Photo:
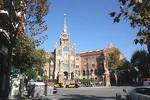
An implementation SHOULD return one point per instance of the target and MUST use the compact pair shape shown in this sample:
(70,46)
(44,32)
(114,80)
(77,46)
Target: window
(72,53)
(93,65)
(95,71)
(77,58)
(83,72)
(72,65)
(91,71)
(65,49)
(85,65)
(77,66)
(76,72)
(79,73)
(87,72)
(65,65)
(59,53)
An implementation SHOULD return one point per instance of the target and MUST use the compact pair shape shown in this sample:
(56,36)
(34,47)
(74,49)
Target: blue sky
(89,25)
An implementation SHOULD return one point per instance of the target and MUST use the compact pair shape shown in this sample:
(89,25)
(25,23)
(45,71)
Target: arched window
(87,72)
(95,71)
(72,53)
(83,72)
(65,49)
(72,75)
(66,75)
(91,71)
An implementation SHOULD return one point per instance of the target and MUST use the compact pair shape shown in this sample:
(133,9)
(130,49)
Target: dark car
(139,93)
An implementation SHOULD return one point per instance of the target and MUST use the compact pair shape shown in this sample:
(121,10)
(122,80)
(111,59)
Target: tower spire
(65,30)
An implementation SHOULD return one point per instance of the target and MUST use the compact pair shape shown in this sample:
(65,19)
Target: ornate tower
(64,37)
(65,56)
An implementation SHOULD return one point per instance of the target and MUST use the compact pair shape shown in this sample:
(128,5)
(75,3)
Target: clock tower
(64,37)
(65,54)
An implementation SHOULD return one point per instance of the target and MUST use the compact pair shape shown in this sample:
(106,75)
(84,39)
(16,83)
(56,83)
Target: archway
(66,75)
(72,75)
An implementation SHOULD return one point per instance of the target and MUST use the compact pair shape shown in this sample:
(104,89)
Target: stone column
(61,77)
(107,79)
(106,74)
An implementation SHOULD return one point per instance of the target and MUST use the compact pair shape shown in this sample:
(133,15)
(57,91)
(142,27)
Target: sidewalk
(24,98)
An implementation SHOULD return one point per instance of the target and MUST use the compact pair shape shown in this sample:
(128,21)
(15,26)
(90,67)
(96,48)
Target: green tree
(137,12)
(124,65)
(85,81)
(35,12)
(30,19)
(31,73)
(32,13)
(27,56)
(140,59)
(113,59)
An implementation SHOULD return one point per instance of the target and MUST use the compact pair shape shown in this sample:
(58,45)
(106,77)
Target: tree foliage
(124,64)
(35,22)
(137,12)
(113,59)
(31,15)
(141,60)
(27,56)
(31,73)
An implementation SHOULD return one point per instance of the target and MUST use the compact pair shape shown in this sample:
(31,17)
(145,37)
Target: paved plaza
(87,93)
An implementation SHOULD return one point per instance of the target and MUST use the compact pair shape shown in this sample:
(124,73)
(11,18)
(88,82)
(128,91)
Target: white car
(139,93)
(146,83)
(39,88)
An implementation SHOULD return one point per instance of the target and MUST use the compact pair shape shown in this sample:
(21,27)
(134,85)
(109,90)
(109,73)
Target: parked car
(36,89)
(72,86)
(58,85)
(139,93)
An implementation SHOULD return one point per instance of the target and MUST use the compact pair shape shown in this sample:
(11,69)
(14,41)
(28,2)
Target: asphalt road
(87,93)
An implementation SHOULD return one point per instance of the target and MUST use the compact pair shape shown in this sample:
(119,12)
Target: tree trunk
(5,75)
(4,85)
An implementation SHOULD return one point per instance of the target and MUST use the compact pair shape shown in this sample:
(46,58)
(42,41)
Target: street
(87,93)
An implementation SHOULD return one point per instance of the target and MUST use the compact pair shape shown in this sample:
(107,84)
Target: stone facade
(64,56)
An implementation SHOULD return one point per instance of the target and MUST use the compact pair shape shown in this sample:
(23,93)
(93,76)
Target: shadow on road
(82,97)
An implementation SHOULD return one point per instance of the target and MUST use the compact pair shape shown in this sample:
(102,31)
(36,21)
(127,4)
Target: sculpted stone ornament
(61,76)
(107,77)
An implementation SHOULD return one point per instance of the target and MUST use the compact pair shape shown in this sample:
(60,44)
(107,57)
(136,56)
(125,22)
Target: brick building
(93,64)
